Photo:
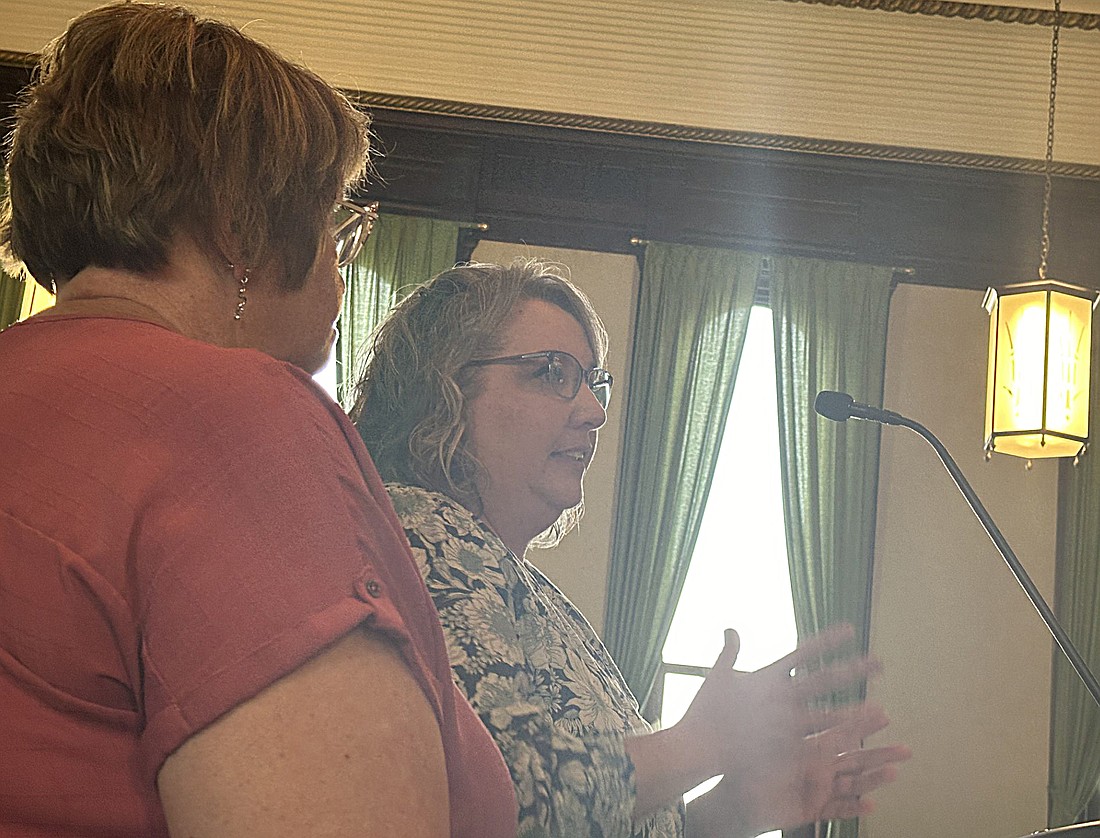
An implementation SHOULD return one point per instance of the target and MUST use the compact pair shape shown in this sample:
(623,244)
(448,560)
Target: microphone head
(834,405)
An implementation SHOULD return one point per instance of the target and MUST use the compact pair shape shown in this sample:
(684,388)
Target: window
(738,576)
(326,376)
(35,299)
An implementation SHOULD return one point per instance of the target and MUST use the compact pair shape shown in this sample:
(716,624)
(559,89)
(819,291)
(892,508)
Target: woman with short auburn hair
(144,122)
(210,624)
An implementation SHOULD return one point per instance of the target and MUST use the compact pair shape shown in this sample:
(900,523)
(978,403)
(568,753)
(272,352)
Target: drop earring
(242,297)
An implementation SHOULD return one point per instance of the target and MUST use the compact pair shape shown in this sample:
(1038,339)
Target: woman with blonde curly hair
(480,403)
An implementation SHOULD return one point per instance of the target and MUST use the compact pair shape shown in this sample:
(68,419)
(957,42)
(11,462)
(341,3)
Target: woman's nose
(587,409)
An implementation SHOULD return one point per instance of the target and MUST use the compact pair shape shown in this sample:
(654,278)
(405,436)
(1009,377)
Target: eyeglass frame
(356,228)
(597,378)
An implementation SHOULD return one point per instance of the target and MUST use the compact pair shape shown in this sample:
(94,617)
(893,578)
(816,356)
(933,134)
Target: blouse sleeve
(515,668)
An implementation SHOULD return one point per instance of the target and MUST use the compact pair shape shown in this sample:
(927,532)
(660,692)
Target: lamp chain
(1045,251)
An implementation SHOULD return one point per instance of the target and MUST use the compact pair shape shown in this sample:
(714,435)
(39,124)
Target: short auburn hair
(144,121)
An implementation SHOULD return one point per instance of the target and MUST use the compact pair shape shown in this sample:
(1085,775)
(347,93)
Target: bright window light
(738,576)
(326,376)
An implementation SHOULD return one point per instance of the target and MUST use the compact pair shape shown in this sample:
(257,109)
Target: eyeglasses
(353,227)
(563,372)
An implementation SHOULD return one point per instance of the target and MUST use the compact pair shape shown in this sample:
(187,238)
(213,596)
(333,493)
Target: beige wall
(793,69)
(579,564)
(967,658)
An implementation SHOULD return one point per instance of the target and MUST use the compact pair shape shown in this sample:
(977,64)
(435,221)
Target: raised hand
(787,762)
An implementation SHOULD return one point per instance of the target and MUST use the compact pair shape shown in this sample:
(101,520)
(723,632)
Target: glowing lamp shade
(1037,387)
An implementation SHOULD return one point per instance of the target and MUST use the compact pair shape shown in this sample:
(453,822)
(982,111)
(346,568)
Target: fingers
(834,677)
(812,679)
(862,773)
(870,760)
(843,808)
(812,648)
(728,656)
(842,728)
(856,785)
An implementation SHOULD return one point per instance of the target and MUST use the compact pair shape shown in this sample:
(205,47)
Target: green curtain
(1075,719)
(692,315)
(11,299)
(830,323)
(11,289)
(402,252)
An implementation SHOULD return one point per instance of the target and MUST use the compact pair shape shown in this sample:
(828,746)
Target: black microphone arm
(840,407)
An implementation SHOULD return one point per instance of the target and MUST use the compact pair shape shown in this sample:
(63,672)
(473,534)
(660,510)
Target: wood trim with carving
(564,187)
(969,11)
(739,139)
(19,59)
(559,183)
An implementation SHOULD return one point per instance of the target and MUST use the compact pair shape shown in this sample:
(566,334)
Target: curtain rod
(907,272)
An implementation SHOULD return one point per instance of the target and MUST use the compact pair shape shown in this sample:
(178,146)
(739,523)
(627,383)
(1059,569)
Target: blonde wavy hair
(412,393)
(144,120)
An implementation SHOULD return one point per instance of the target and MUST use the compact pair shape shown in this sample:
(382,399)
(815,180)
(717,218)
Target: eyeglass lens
(566,375)
(353,227)
(349,231)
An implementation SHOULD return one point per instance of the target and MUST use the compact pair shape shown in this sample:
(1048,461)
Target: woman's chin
(561,500)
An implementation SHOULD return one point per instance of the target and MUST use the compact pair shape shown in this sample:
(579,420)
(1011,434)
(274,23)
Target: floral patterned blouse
(536,673)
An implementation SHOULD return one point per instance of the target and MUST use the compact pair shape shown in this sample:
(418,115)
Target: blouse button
(368,587)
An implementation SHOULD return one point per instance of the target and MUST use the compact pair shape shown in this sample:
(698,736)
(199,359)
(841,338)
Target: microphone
(840,407)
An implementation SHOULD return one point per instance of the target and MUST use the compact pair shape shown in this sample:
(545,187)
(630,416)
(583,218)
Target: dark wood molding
(716,136)
(553,186)
(576,187)
(13,78)
(18,59)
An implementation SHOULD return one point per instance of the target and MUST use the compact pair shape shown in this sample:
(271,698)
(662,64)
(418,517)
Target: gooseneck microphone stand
(839,407)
